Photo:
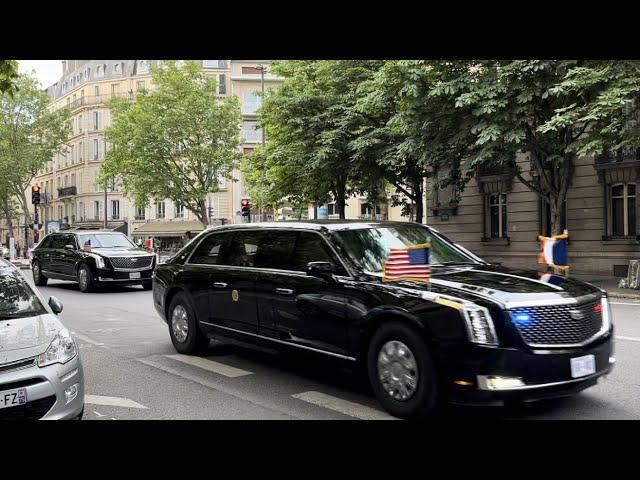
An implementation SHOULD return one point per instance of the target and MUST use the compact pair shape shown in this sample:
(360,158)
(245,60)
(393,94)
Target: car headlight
(477,319)
(60,350)
(99,260)
(606,315)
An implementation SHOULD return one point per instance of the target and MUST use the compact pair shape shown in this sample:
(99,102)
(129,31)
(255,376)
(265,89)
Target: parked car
(92,258)
(41,374)
(477,333)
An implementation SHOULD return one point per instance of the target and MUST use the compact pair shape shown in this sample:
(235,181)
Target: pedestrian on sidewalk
(17,250)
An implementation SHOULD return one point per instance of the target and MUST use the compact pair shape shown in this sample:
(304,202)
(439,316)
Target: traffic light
(245,207)
(35,195)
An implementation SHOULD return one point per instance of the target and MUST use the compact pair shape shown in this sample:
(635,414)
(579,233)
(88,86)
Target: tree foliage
(307,124)
(175,141)
(8,76)
(30,135)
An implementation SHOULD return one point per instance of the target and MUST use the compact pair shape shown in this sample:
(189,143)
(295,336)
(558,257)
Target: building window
(59,212)
(100,71)
(115,209)
(249,132)
(545,218)
(140,214)
(222,84)
(331,209)
(96,149)
(179,211)
(140,86)
(366,211)
(251,102)
(97,210)
(142,66)
(96,120)
(96,91)
(497,218)
(250,71)
(160,209)
(214,63)
(115,88)
(80,153)
(73,179)
(73,154)
(80,124)
(623,210)
(117,68)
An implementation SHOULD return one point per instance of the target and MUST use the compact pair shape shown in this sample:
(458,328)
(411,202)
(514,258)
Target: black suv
(478,333)
(92,258)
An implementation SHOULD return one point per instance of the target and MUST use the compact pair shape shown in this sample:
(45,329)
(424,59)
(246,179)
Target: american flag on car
(408,263)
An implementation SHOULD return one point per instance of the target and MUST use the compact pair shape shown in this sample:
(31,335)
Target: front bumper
(544,373)
(46,386)
(118,277)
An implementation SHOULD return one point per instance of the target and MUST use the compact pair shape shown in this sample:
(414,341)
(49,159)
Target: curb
(624,296)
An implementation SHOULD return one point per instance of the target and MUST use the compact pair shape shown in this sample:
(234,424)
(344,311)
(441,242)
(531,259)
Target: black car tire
(195,342)
(87,286)
(424,403)
(38,278)
(79,417)
(147,285)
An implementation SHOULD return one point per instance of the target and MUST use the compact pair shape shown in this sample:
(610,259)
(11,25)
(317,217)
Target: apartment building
(71,194)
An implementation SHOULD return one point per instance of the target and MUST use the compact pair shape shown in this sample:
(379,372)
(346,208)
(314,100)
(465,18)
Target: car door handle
(284,291)
(219,285)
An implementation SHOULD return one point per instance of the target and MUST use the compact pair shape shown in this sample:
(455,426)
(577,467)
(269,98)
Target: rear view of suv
(92,258)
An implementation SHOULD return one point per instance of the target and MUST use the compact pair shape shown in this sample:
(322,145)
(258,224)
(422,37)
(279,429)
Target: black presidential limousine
(92,258)
(478,334)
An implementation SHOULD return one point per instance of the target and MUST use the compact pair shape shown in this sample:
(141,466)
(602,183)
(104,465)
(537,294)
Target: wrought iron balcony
(619,156)
(67,191)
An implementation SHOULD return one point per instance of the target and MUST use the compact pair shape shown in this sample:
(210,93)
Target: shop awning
(168,228)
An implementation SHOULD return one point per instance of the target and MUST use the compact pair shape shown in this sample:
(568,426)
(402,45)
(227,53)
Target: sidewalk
(22,263)
(611,286)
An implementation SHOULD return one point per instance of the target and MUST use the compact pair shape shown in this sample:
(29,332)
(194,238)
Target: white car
(41,374)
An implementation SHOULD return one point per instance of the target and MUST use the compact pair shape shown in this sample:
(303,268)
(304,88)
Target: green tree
(306,121)
(30,135)
(403,135)
(175,141)
(511,101)
(8,76)
(608,94)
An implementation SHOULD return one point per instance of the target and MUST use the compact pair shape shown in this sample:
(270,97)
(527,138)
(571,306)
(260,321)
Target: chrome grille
(131,263)
(6,367)
(558,325)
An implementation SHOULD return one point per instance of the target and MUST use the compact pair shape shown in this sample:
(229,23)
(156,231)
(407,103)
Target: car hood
(504,286)
(22,338)
(121,252)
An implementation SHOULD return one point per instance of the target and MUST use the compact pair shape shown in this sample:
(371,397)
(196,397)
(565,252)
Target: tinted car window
(209,251)
(68,240)
(46,242)
(310,247)
(57,241)
(243,248)
(275,250)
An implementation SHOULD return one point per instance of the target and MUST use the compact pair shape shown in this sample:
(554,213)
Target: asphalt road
(133,372)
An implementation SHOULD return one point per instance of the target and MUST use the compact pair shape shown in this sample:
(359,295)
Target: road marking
(210,365)
(343,406)
(625,303)
(632,339)
(99,414)
(112,401)
(257,400)
(87,339)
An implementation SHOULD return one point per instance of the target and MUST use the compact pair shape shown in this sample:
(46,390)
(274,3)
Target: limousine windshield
(369,247)
(97,240)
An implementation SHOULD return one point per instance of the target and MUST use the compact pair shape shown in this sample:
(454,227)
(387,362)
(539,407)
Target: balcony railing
(619,156)
(97,99)
(67,191)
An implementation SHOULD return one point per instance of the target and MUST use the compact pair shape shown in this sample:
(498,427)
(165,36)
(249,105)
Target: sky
(48,72)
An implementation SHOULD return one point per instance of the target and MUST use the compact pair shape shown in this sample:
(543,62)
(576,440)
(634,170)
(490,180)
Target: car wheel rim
(397,370)
(180,323)
(83,278)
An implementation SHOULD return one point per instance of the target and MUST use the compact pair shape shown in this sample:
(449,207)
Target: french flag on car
(554,250)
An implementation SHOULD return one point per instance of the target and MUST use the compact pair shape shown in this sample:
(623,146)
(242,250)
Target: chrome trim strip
(104,279)
(18,365)
(132,269)
(281,341)
(482,382)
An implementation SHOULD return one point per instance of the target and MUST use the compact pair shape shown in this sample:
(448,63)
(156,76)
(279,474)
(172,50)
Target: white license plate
(134,275)
(13,398)
(581,366)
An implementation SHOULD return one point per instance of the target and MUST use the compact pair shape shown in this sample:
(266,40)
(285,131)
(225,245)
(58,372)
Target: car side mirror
(69,247)
(55,304)
(323,270)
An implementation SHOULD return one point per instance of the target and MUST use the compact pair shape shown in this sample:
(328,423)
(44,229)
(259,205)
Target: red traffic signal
(245,207)
(35,194)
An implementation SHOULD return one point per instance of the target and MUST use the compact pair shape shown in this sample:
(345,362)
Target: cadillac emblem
(576,314)
(235,295)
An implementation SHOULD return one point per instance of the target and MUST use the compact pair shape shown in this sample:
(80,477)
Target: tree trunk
(417,198)
(315,210)
(202,214)
(7,213)
(28,237)
(557,217)
(341,188)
